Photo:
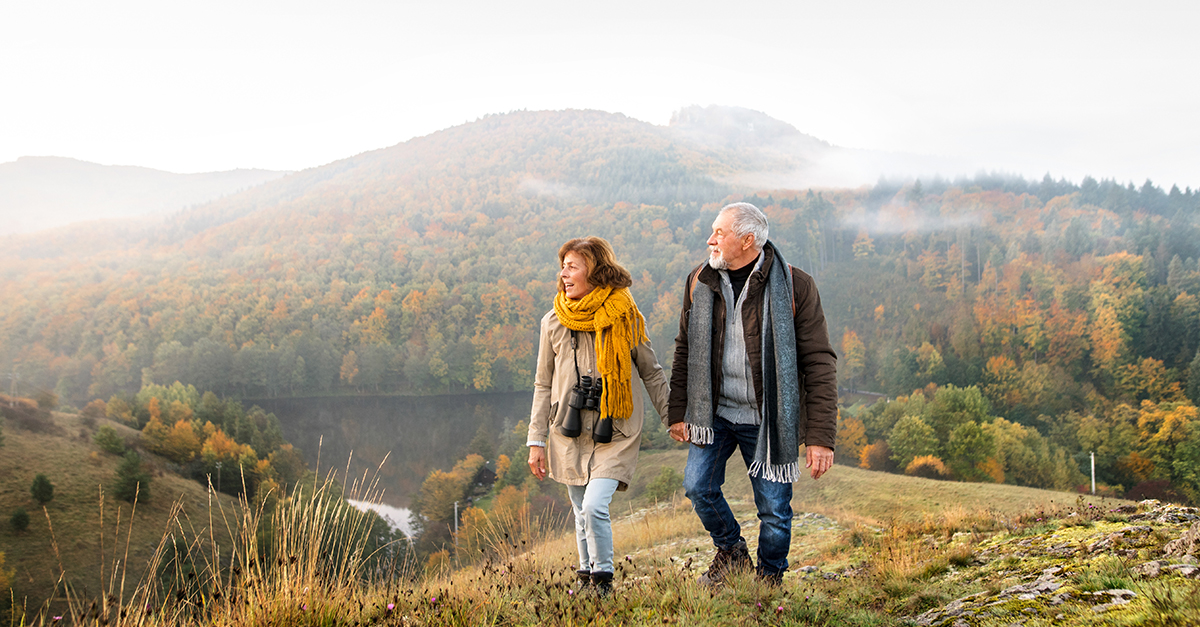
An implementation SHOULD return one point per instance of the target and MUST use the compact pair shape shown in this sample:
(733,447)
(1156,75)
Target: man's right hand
(679,432)
(537,461)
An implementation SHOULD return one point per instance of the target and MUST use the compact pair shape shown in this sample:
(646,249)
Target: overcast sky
(1073,88)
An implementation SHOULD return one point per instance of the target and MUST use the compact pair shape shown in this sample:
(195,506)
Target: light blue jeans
(593,531)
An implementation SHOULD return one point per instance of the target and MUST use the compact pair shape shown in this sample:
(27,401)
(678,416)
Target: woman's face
(574,276)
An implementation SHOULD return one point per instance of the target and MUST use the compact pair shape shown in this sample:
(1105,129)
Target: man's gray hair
(748,220)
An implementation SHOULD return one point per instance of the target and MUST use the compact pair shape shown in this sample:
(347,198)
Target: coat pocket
(554,418)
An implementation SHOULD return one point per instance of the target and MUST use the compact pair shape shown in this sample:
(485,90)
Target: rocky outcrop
(1068,557)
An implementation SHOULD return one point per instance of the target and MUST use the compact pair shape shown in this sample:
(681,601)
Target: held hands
(537,461)
(679,432)
(819,459)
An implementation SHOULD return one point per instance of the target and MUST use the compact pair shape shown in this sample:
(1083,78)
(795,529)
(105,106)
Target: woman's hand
(537,461)
(679,432)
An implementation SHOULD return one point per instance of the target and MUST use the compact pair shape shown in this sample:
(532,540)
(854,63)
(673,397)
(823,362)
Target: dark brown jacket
(816,360)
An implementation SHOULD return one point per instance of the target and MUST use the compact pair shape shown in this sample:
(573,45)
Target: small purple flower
(760,605)
(391,606)
(433,599)
(304,606)
(57,618)
(570,592)
(779,609)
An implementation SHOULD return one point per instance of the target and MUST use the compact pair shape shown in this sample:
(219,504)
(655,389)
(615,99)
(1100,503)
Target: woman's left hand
(537,461)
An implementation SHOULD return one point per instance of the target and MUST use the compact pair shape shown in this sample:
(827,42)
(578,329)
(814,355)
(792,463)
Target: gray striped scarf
(777,454)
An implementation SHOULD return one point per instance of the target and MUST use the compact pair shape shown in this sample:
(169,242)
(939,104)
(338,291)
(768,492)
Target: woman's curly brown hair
(603,269)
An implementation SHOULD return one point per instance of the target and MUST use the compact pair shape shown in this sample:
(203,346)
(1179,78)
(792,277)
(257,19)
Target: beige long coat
(575,461)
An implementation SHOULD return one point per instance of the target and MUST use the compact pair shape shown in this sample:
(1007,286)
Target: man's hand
(679,432)
(819,459)
(537,461)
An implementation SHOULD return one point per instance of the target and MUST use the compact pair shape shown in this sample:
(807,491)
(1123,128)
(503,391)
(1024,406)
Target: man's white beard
(716,261)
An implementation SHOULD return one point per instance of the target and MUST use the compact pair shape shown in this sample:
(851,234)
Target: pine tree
(133,483)
(42,490)
(20,521)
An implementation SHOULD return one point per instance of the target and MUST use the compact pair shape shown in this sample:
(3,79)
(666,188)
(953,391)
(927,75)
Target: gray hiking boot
(727,562)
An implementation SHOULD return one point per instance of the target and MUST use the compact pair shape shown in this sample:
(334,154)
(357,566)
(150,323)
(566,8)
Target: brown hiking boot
(727,562)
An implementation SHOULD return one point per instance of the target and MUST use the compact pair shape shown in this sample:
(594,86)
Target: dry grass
(91,535)
(219,565)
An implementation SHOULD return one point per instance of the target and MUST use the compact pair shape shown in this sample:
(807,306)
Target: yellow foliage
(851,437)
(181,444)
(926,466)
(503,463)
(155,433)
(993,468)
(438,563)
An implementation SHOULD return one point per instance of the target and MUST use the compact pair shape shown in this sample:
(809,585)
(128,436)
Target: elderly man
(753,370)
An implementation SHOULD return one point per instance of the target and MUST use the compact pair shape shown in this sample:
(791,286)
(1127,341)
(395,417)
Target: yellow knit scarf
(619,327)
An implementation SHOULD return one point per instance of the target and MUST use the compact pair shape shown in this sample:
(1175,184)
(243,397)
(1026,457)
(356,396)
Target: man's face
(726,250)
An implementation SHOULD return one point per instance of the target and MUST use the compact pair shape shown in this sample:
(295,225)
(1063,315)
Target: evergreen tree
(42,490)
(20,520)
(133,483)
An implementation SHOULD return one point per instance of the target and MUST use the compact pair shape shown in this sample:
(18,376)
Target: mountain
(39,193)
(785,158)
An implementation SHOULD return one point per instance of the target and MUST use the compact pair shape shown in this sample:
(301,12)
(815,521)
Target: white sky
(1090,87)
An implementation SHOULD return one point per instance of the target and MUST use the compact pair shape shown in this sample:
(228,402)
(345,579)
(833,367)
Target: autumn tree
(851,439)
(854,358)
(911,438)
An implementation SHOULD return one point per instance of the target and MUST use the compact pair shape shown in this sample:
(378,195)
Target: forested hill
(423,268)
(414,268)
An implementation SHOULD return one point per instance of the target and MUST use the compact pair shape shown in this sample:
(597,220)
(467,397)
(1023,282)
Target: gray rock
(1150,569)
(1185,544)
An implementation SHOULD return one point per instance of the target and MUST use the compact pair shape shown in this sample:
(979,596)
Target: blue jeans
(702,483)
(593,531)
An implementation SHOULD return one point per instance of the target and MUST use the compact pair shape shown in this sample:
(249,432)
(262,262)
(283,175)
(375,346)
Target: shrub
(663,486)
(25,414)
(107,439)
(926,466)
(877,456)
(42,490)
(20,520)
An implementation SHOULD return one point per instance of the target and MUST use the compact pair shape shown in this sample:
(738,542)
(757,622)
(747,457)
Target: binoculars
(586,395)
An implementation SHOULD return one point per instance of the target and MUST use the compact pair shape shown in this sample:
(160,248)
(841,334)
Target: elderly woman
(586,422)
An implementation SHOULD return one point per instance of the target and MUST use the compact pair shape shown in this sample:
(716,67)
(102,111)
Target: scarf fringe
(700,436)
(779,473)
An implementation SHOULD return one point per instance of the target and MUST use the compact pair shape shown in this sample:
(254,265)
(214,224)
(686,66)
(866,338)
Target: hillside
(38,193)
(869,549)
(85,531)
